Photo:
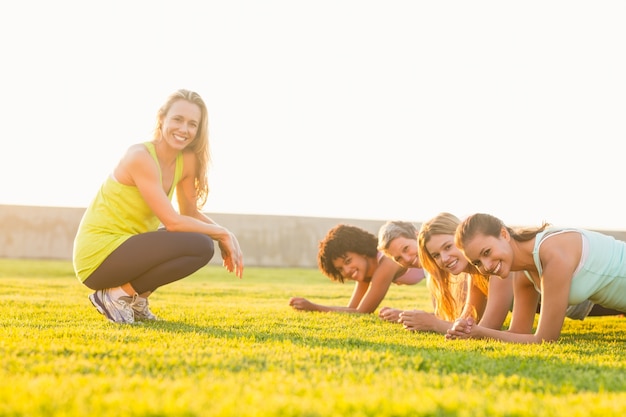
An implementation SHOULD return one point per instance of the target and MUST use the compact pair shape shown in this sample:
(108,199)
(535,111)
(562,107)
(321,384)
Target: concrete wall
(286,241)
(272,241)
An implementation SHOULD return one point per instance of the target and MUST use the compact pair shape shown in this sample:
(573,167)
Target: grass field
(230,347)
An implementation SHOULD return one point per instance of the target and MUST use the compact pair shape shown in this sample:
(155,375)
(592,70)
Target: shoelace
(138,302)
(133,300)
(140,307)
(125,307)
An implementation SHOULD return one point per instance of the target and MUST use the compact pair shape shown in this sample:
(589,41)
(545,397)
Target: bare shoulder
(189,163)
(567,241)
(564,249)
(137,150)
(390,264)
(136,154)
(136,159)
(388,268)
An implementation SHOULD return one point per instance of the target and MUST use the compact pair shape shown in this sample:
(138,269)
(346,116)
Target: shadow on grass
(547,365)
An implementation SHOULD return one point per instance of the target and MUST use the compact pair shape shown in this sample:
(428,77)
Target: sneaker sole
(99,306)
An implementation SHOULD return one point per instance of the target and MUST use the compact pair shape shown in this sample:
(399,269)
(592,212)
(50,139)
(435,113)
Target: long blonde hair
(199,145)
(448,292)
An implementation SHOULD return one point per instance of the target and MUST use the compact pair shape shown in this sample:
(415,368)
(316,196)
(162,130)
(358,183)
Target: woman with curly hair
(350,253)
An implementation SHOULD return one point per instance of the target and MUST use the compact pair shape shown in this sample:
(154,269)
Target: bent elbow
(172,225)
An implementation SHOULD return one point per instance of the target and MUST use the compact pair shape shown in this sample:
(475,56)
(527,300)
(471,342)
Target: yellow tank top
(116,213)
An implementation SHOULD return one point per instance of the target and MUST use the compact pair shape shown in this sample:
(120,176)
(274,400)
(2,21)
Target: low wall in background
(268,241)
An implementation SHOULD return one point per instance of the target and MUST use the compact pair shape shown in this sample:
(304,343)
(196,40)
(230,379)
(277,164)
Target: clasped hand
(389,314)
(461,329)
(299,303)
(415,320)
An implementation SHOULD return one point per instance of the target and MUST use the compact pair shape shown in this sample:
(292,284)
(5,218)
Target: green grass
(230,347)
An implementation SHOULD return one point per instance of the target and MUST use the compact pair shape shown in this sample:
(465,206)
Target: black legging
(150,260)
(599,310)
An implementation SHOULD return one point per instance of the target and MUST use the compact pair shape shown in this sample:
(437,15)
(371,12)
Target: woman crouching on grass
(564,266)
(118,251)
(350,253)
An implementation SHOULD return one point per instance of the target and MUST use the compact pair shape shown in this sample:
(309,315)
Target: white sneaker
(117,311)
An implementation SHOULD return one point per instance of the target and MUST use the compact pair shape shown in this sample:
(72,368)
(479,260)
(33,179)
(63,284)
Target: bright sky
(330,108)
